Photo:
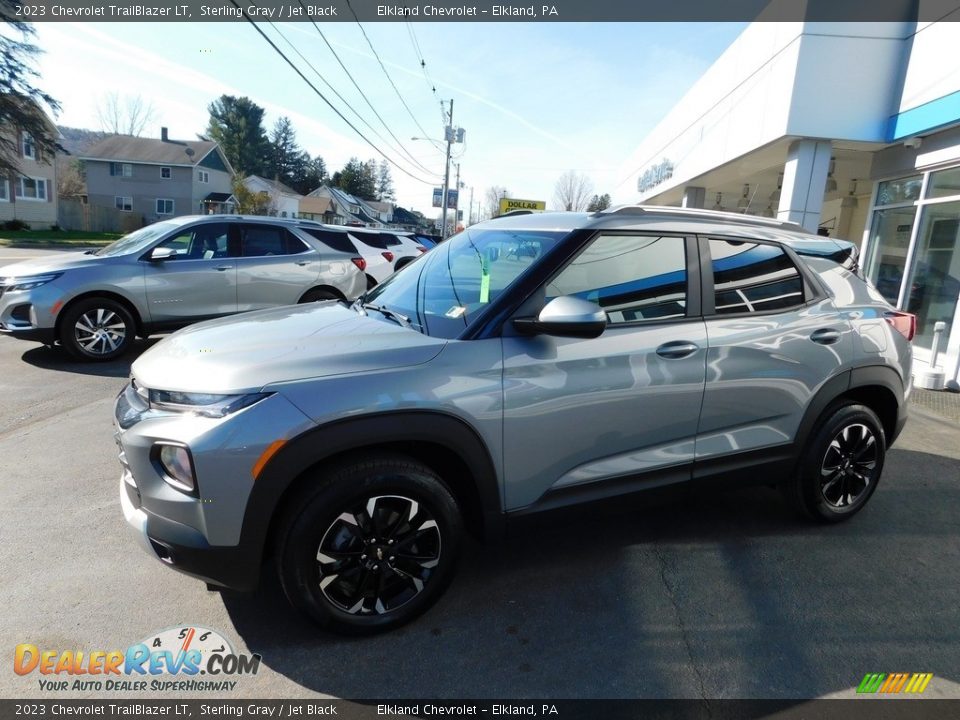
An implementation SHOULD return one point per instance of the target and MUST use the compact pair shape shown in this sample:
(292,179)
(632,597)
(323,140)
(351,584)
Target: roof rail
(739,218)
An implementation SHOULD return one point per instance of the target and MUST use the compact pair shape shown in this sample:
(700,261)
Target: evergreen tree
(237,125)
(385,189)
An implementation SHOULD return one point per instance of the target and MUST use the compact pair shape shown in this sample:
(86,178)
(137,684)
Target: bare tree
(129,115)
(491,201)
(572,191)
(71,177)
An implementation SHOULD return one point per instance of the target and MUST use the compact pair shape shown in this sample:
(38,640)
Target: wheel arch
(445,443)
(108,294)
(323,288)
(879,387)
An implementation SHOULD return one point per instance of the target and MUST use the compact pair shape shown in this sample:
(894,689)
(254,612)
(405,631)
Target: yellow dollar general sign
(511,204)
(891,683)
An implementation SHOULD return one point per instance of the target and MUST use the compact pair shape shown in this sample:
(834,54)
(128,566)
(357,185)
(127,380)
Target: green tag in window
(485,281)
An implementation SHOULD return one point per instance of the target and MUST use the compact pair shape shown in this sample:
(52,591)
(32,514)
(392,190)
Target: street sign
(511,204)
(451,198)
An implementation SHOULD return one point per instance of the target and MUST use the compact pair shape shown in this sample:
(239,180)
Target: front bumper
(200,535)
(184,549)
(31,314)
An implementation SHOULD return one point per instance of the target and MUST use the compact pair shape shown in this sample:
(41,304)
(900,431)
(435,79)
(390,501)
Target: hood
(49,263)
(246,352)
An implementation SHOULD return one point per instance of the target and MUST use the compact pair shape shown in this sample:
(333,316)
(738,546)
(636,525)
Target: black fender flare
(869,376)
(305,451)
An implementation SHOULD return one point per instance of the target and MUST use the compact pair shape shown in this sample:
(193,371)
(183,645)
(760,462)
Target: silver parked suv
(168,275)
(530,362)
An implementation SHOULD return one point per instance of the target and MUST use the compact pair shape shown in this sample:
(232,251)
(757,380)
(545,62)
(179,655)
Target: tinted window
(750,277)
(632,277)
(374,240)
(336,240)
(265,240)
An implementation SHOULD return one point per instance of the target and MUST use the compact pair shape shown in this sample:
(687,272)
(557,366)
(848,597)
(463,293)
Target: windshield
(137,240)
(458,278)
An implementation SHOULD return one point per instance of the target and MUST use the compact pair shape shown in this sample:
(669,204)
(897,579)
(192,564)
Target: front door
(618,412)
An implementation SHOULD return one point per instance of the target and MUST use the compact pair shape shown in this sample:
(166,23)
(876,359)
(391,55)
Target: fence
(73,214)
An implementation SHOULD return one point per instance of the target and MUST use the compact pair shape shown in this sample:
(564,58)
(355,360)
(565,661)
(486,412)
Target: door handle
(301,263)
(221,268)
(677,349)
(825,336)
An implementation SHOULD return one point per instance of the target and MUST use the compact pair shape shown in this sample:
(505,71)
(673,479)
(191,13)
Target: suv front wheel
(841,465)
(96,328)
(371,546)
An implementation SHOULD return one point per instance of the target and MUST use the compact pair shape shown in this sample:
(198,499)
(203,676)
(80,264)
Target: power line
(419,54)
(324,98)
(350,107)
(390,79)
(358,88)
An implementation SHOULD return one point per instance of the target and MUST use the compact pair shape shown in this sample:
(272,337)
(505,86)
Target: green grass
(54,238)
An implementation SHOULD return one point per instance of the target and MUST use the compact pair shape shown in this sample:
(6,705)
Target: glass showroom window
(890,232)
(913,256)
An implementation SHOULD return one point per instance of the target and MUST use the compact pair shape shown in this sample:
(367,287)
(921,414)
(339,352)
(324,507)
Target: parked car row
(187,269)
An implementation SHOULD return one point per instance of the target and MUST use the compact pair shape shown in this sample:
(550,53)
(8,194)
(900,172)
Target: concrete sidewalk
(939,402)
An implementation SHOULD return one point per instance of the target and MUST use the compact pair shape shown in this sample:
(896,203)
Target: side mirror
(566,316)
(158,254)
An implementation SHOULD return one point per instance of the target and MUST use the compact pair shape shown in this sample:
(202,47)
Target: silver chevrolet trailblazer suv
(529,363)
(168,275)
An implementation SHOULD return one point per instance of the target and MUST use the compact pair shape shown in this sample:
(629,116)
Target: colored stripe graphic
(893,683)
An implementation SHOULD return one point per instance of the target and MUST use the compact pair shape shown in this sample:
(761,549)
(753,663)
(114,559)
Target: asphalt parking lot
(725,596)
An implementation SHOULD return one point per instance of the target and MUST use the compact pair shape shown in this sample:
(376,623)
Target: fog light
(177,466)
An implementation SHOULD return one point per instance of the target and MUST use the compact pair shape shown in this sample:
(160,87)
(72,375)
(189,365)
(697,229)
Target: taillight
(421,248)
(903,323)
(388,255)
(360,263)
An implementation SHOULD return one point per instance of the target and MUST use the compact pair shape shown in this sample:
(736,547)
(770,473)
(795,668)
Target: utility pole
(456,205)
(470,214)
(451,135)
(448,135)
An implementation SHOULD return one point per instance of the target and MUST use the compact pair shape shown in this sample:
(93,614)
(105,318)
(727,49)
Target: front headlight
(28,282)
(205,404)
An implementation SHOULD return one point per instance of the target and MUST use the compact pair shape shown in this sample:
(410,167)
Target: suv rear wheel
(97,329)
(371,546)
(841,465)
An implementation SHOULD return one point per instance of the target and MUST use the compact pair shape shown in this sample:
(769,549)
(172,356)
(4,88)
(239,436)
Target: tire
(318,295)
(97,329)
(337,550)
(841,465)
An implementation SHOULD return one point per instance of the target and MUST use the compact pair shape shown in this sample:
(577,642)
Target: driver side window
(632,277)
(201,242)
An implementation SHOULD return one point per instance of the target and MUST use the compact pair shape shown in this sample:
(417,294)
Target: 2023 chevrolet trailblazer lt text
(168,275)
(528,363)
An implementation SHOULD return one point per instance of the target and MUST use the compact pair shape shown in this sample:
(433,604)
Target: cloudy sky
(534,99)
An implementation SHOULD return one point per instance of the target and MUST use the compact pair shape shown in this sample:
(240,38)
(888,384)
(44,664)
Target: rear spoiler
(842,252)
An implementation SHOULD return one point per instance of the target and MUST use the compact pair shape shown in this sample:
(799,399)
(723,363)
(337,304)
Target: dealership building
(849,129)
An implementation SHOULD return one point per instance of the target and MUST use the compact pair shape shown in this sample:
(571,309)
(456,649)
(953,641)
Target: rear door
(199,281)
(618,412)
(774,340)
(274,267)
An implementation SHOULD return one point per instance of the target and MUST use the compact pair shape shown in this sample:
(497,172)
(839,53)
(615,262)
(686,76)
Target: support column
(694,197)
(804,181)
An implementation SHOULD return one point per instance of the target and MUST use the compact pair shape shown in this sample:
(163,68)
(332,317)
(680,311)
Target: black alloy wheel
(369,544)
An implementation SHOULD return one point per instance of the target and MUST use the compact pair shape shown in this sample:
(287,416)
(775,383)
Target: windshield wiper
(399,318)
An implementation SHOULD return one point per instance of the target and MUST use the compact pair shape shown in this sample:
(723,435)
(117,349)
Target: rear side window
(632,277)
(336,240)
(266,240)
(753,278)
(374,240)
